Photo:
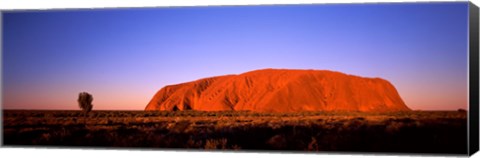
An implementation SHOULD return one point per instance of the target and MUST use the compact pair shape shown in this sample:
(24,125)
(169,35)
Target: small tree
(85,102)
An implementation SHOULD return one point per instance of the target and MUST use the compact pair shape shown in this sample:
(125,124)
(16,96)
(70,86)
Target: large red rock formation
(281,90)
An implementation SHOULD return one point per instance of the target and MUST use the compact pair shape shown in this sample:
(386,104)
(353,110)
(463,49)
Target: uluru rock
(281,90)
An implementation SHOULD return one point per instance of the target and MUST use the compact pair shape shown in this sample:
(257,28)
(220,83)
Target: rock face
(281,90)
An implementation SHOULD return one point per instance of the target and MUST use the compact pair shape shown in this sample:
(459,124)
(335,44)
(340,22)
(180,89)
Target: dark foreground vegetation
(412,132)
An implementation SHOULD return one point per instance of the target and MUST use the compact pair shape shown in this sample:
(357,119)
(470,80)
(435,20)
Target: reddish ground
(398,132)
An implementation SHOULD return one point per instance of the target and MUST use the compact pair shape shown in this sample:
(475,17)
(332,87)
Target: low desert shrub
(216,144)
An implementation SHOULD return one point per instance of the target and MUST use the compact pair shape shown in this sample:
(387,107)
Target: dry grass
(420,132)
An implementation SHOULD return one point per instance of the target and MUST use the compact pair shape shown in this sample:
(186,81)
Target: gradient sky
(124,56)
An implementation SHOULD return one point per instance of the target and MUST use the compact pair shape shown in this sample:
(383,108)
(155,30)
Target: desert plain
(399,132)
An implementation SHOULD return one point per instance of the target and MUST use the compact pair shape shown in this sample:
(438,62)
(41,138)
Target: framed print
(386,78)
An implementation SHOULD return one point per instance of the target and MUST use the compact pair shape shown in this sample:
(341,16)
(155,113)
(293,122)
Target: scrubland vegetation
(413,132)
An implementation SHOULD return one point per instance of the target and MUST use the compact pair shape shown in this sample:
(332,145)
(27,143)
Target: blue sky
(123,56)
